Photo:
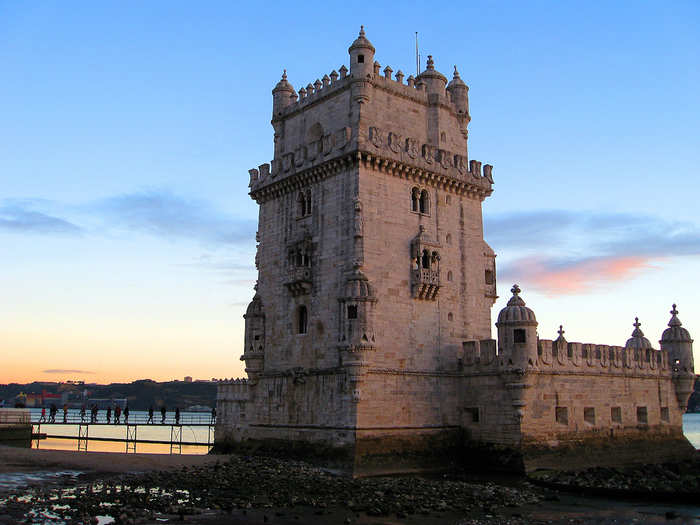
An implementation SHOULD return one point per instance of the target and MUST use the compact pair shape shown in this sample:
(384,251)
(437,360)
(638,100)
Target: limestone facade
(370,328)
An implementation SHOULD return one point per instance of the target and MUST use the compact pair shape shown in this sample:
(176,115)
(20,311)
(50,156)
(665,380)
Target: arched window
(450,317)
(302,319)
(415,197)
(301,205)
(443,137)
(308,202)
(424,202)
(425,260)
(449,275)
(448,238)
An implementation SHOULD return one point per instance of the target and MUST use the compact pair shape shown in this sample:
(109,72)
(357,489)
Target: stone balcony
(425,283)
(298,280)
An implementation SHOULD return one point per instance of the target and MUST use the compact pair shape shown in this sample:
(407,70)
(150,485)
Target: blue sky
(127,129)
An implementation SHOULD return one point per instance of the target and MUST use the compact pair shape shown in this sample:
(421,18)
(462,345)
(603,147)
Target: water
(691,429)
(190,434)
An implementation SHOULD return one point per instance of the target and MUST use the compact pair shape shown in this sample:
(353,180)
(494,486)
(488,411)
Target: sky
(127,129)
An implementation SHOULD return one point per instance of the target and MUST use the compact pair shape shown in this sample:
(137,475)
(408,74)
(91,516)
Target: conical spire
(675,331)
(637,340)
(361,42)
(516,300)
(283,85)
(674,318)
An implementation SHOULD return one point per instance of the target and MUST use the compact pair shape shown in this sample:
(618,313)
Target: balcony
(425,283)
(298,280)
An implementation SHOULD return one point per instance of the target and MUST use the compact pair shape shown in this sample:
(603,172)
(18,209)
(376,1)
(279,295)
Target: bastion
(368,340)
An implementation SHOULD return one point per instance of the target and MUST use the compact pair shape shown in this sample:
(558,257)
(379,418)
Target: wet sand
(14,459)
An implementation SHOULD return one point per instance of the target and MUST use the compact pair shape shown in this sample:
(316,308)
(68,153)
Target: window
(302,320)
(360,59)
(450,317)
(664,414)
(584,353)
(352,311)
(425,260)
(589,415)
(488,276)
(449,275)
(448,199)
(642,415)
(474,413)
(448,238)
(415,197)
(561,414)
(443,137)
(304,203)
(519,335)
(424,202)
(616,414)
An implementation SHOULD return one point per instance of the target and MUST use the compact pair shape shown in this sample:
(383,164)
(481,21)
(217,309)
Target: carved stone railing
(298,280)
(425,283)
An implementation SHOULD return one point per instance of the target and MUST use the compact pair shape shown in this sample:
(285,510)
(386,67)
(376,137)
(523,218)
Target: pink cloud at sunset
(555,277)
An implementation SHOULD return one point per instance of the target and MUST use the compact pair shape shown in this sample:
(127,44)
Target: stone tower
(372,268)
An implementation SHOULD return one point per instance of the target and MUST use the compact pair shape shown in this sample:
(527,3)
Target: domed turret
(675,331)
(254,339)
(637,341)
(517,332)
(677,341)
(282,95)
(361,56)
(460,93)
(434,81)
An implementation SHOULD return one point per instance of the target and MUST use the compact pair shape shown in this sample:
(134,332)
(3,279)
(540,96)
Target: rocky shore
(259,490)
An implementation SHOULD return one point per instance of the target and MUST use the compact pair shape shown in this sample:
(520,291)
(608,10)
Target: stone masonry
(369,335)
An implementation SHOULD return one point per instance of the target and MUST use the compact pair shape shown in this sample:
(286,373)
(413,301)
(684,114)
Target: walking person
(177,415)
(93,414)
(126,415)
(150,415)
(82,413)
(117,414)
(42,419)
(162,415)
(109,414)
(52,413)
(213,415)
(65,413)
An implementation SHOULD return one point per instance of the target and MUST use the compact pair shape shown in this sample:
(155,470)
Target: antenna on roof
(417,57)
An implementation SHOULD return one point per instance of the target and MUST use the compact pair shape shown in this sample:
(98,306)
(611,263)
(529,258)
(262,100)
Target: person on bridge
(126,414)
(52,413)
(42,419)
(162,415)
(213,415)
(109,414)
(177,415)
(150,415)
(96,411)
(82,413)
(65,413)
(117,414)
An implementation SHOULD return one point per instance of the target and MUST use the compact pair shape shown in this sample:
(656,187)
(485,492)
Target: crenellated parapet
(232,390)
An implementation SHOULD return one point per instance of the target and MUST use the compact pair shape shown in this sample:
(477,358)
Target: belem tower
(368,340)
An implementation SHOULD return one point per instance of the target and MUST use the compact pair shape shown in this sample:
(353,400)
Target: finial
(284,74)
(637,324)
(456,75)
(362,30)
(431,64)
(515,289)
(561,331)
(674,311)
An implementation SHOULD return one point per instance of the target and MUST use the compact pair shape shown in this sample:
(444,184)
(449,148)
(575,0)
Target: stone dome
(255,307)
(361,42)
(456,81)
(638,341)
(283,84)
(516,311)
(432,73)
(357,287)
(675,332)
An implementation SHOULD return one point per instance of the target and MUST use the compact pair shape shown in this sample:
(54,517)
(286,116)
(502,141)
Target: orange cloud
(556,277)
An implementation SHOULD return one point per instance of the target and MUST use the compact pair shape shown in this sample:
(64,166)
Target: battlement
(232,390)
(562,356)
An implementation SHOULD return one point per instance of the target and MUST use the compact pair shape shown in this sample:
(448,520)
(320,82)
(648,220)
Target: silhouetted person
(97,412)
(177,416)
(162,414)
(109,415)
(150,415)
(126,414)
(213,415)
(93,414)
(52,413)
(42,419)
(65,413)
(82,414)
(117,414)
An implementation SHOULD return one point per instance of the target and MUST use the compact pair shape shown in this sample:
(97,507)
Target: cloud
(561,276)
(566,252)
(164,214)
(17,217)
(66,371)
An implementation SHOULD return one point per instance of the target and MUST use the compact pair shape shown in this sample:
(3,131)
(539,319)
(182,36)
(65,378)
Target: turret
(517,332)
(433,80)
(282,96)
(254,340)
(459,93)
(361,56)
(677,341)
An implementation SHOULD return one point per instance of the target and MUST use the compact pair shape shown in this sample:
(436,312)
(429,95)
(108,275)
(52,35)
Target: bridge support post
(176,438)
(83,430)
(131,438)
